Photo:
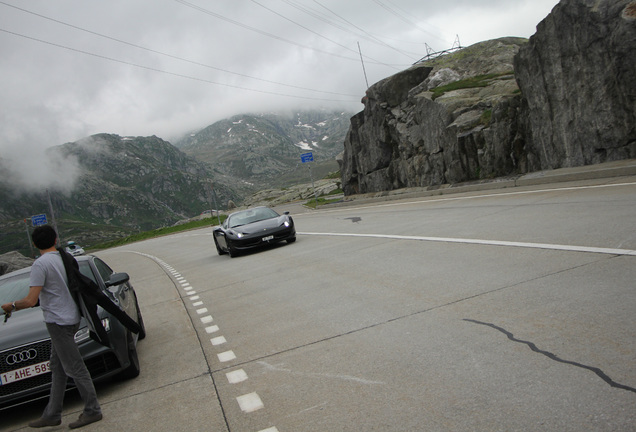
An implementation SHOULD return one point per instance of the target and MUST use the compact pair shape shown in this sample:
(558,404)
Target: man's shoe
(84,420)
(42,422)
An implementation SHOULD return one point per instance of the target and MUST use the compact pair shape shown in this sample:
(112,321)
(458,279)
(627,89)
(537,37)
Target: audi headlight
(84,333)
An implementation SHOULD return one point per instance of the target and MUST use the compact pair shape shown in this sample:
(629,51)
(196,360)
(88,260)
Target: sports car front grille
(43,353)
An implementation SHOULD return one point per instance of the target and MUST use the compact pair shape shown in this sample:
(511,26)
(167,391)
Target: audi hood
(24,327)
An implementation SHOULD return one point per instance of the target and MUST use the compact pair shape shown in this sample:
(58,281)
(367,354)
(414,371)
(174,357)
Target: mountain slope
(264,150)
(125,185)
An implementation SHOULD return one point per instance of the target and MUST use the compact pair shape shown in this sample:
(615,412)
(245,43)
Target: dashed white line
(250,402)
(236,376)
(212,329)
(226,356)
(220,340)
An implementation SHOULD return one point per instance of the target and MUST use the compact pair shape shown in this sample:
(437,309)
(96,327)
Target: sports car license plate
(25,372)
(268,238)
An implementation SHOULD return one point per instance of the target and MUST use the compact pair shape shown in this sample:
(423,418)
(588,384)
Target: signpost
(305,158)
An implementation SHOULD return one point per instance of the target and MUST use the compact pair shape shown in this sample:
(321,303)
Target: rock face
(447,120)
(578,77)
(12,261)
(503,107)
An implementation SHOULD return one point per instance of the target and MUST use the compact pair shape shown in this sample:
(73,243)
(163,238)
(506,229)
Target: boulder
(12,261)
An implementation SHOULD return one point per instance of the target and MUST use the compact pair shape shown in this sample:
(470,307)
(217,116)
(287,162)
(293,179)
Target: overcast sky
(166,67)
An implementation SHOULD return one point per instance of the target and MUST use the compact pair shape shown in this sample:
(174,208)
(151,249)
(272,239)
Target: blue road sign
(307,157)
(38,220)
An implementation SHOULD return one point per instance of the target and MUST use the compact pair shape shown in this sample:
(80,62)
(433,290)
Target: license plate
(268,238)
(25,372)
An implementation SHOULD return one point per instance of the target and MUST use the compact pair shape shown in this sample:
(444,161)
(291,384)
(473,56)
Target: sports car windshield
(251,216)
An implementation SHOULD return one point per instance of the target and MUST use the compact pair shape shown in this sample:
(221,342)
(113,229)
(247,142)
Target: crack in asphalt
(602,375)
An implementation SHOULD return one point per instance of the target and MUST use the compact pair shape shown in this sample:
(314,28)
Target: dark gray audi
(25,347)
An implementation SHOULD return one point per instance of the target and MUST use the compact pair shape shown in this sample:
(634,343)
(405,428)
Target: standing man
(49,284)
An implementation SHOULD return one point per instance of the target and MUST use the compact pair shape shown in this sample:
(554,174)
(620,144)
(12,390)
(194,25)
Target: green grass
(207,222)
(486,117)
(472,82)
(322,200)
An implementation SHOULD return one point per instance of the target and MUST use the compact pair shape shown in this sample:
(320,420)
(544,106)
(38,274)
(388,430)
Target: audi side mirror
(117,279)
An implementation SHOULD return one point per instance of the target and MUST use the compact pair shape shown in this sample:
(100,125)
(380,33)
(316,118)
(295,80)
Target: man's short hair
(44,237)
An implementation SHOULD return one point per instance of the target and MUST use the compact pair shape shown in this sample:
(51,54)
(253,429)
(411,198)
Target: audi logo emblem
(21,356)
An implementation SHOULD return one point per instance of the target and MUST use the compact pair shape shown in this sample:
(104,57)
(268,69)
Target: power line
(403,17)
(367,36)
(169,55)
(302,9)
(264,33)
(167,72)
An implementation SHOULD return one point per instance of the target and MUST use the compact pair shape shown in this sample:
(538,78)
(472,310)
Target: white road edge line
(486,242)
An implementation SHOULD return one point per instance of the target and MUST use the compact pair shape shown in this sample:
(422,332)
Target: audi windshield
(14,287)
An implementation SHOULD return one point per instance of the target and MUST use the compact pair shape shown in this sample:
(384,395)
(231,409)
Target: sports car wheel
(218,248)
(231,251)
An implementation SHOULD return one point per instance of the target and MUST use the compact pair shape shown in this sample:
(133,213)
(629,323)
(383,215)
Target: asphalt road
(506,310)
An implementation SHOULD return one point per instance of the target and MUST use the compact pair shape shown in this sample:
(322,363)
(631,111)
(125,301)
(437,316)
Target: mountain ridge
(264,149)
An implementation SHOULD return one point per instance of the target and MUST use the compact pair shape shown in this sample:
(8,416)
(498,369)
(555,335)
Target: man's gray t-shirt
(55,299)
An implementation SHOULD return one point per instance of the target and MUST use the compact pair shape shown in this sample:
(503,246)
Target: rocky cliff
(503,107)
(578,78)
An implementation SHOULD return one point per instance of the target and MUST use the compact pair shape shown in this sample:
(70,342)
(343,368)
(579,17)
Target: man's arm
(29,301)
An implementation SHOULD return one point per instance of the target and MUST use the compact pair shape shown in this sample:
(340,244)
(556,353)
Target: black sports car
(25,346)
(253,228)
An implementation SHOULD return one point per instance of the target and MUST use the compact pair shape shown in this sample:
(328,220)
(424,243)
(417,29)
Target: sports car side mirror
(286,213)
(117,279)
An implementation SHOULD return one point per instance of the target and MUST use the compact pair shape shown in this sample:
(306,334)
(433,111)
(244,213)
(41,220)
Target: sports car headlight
(84,333)
(239,234)
(287,224)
